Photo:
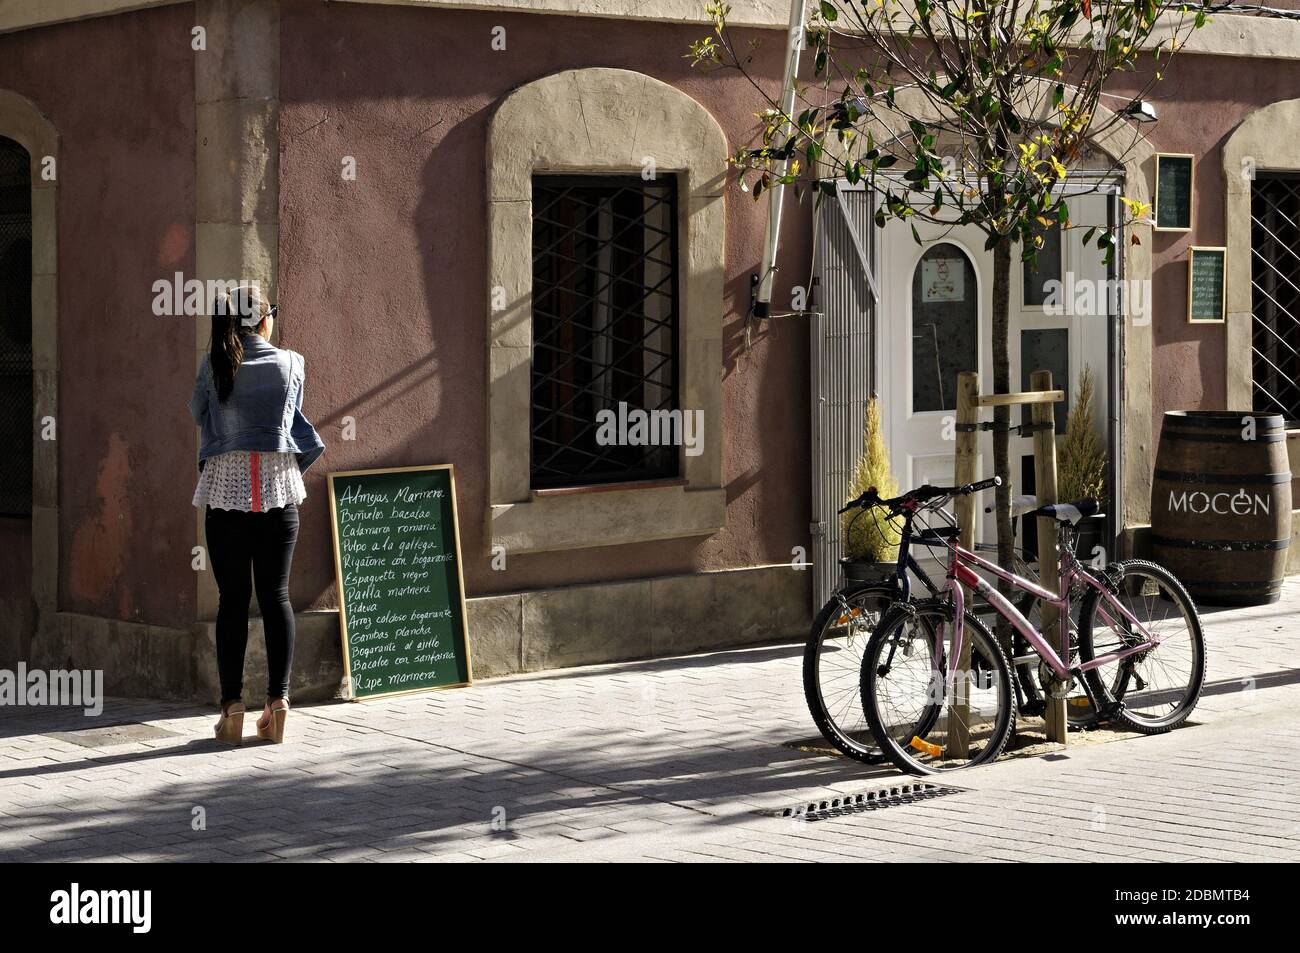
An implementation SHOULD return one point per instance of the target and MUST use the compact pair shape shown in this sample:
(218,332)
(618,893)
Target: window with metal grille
(605,319)
(15,330)
(1275,292)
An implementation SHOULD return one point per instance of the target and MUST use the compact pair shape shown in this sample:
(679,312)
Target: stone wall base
(518,632)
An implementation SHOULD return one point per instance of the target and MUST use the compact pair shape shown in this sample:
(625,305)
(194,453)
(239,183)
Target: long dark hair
(226,350)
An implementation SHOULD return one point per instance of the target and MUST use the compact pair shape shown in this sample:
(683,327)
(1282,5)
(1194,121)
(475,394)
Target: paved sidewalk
(666,760)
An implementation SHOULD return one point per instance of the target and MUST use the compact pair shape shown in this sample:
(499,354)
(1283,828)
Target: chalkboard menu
(1205,284)
(401,593)
(1174,178)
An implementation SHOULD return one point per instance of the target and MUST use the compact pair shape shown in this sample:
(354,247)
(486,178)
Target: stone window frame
(1256,139)
(587,121)
(24,123)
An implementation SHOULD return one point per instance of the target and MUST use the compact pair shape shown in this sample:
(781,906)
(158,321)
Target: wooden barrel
(1221,505)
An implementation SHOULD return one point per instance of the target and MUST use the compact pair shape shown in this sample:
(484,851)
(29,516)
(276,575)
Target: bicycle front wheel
(905,693)
(832,663)
(1154,690)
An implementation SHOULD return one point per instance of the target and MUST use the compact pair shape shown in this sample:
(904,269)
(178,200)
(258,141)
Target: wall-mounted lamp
(1139,110)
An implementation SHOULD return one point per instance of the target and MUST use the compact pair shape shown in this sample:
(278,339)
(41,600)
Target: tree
(985,105)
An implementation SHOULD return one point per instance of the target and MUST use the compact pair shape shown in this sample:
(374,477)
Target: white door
(935,322)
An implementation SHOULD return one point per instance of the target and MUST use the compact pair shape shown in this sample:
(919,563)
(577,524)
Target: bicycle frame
(961,573)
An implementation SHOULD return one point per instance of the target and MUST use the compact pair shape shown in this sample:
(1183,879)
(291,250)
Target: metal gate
(843,355)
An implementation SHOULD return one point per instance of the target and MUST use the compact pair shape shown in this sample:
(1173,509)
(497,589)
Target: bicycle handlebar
(922,494)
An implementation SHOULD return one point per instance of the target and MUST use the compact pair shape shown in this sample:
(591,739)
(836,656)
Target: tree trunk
(1002,422)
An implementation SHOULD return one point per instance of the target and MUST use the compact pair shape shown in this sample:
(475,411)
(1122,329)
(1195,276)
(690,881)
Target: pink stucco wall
(383,287)
(382,280)
(1200,101)
(120,92)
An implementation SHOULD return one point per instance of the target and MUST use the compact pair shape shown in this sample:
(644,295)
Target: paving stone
(665,760)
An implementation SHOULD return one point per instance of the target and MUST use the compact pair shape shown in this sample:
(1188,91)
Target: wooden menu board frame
(1190,159)
(1223,283)
(338,577)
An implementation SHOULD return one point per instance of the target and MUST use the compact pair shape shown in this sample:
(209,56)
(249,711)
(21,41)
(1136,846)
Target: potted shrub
(1081,465)
(870,541)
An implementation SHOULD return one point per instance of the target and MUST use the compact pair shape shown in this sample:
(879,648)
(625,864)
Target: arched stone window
(603,122)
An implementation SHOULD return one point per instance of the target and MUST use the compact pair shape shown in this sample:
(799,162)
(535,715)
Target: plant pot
(866,571)
(1090,533)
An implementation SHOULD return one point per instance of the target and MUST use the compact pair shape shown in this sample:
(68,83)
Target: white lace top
(252,482)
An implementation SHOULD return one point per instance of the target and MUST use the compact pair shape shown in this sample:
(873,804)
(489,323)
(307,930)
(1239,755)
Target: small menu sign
(1174,177)
(1205,285)
(401,591)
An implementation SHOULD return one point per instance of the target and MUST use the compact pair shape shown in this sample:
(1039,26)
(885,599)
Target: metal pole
(767,271)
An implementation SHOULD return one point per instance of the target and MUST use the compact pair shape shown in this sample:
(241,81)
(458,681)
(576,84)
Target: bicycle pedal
(926,747)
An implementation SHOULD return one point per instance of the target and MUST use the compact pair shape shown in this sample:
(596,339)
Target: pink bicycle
(1135,645)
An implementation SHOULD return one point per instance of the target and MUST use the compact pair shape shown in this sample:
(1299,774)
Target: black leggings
(264,542)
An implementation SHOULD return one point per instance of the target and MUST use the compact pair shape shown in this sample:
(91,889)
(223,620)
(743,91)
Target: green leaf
(915,237)
(1058,94)
(829,13)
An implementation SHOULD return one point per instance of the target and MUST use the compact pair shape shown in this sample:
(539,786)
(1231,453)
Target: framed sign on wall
(1175,182)
(1207,268)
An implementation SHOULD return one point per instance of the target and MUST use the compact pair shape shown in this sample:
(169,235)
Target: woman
(254,446)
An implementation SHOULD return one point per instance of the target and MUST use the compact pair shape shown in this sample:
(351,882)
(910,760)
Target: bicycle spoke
(1157,686)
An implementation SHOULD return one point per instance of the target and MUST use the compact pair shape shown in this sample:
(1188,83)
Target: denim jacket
(264,409)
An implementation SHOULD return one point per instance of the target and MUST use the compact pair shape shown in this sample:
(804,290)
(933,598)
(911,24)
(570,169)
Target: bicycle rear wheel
(904,690)
(1152,691)
(832,666)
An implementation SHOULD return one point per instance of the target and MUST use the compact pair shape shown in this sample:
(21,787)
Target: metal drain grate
(106,736)
(877,800)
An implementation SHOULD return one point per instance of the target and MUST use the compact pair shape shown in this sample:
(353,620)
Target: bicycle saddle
(1067,512)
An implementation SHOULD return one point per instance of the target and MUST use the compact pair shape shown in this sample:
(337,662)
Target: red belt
(255,473)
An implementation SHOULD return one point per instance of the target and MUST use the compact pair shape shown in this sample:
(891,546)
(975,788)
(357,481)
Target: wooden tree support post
(969,403)
(968,413)
(1045,490)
